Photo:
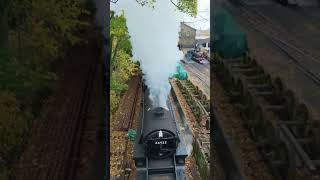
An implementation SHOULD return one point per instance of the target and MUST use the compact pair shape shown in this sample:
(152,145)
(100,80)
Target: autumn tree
(122,66)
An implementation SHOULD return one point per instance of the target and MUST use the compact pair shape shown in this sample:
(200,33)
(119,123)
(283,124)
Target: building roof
(183,23)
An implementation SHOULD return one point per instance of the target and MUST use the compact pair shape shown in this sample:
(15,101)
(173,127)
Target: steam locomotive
(158,151)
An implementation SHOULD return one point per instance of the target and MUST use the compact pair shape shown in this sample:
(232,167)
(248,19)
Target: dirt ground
(121,148)
(251,161)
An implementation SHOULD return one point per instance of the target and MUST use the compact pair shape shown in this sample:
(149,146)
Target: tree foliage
(12,125)
(186,6)
(43,26)
(33,34)
(122,66)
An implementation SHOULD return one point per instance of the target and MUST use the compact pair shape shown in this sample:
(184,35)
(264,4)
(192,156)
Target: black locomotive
(158,152)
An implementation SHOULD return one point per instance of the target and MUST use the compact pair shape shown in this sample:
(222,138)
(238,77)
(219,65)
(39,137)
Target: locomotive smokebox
(158,111)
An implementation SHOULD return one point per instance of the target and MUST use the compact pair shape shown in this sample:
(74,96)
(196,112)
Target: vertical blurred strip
(100,165)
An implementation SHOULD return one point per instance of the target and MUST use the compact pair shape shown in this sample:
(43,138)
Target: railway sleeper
(316,163)
(240,106)
(263,142)
(243,64)
(307,139)
(258,86)
(281,159)
(240,66)
(298,148)
(277,90)
(262,93)
(304,140)
(234,94)
(240,83)
(246,71)
(275,108)
(294,123)
(277,163)
(230,61)
(254,77)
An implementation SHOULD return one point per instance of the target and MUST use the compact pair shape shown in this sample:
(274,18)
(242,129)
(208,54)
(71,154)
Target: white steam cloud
(154,37)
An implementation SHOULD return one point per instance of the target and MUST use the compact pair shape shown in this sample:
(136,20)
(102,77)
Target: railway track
(195,98)
(288,139)
(200,132)
(237,151)
(73,154)
(304,59)
(200,107)
(185,133)
(199,75)
(126,163)
(125,123)
(72,132)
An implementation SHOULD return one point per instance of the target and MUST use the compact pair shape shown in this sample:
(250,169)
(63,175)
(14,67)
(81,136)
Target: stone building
(187,36)
(203,39)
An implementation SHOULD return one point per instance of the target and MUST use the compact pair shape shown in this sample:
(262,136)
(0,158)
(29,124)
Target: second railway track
(288,138)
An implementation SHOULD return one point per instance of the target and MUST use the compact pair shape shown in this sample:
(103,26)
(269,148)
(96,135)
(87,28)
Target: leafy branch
(185,6)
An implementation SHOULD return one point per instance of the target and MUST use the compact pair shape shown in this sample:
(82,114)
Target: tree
(12,125)
(185,6)
(44,26)
(122,66)
(33,34)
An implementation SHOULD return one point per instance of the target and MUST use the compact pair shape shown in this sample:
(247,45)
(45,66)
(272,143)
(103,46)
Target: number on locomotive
(161,142)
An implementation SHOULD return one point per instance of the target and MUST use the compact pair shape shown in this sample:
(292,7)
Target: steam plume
(154,37)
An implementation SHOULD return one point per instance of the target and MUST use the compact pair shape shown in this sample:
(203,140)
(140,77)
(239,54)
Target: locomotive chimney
(158,111)
(160,134)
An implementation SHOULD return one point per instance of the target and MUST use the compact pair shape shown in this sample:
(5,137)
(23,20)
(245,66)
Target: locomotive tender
(158,152)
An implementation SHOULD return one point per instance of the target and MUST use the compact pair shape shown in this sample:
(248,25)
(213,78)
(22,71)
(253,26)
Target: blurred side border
(100,164)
